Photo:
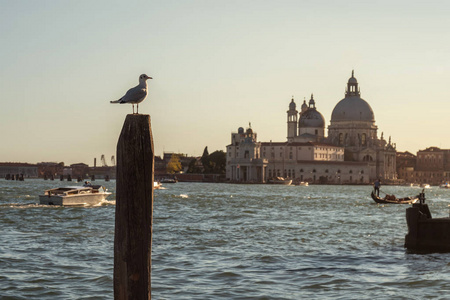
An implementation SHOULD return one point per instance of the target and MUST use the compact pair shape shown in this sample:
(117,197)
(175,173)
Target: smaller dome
(241,130)
(311,118)
(304,105)
(249,131)
(352,80)
(292,105)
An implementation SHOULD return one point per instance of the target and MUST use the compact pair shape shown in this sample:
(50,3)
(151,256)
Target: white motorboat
(280,180)
(74,195)
(168,180)
(425,185)
(303,183)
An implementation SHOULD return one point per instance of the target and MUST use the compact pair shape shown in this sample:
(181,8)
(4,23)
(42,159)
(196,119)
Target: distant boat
(303,183)
(168,180)
(444,186)
(74,195)
(280,180)
(394,200)
(426,185)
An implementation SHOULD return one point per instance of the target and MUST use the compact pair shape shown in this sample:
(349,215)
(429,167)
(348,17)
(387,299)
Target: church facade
(352,153)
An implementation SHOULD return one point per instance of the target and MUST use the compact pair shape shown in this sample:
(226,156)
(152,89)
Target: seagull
(137,94)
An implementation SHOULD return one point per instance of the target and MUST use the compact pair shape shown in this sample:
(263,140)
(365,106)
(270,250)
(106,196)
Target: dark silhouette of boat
(394,200)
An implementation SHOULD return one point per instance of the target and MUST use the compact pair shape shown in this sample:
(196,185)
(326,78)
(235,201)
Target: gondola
(394,200)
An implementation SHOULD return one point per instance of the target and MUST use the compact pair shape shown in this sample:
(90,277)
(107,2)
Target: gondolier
(376,187)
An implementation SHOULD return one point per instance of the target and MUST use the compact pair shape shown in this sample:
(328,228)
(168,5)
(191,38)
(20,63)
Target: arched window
(341,139)
(363,139)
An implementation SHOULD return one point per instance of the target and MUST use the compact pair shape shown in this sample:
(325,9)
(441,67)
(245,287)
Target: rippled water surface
(224,241)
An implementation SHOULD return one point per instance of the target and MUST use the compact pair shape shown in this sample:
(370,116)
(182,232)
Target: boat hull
(397,201)
(73,200)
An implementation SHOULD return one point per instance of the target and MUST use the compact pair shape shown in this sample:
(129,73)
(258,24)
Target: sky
(216,66)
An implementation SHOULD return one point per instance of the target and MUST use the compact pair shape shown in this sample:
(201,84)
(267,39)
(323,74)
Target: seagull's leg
(133,107)
(137,108)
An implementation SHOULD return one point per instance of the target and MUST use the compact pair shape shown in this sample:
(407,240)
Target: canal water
(224,241)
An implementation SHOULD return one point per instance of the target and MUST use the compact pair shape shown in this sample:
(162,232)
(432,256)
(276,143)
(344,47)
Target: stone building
(352,126)
(352,152)
(25,169)
(430,166)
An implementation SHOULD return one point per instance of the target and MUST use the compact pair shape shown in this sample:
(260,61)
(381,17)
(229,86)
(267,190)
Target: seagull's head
(144,77)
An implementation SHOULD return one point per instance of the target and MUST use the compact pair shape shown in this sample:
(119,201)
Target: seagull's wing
(134,95)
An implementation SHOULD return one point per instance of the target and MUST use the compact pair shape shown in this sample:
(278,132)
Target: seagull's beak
(148,77)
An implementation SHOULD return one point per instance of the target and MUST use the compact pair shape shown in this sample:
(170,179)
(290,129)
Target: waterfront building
(430,166)
(25,169)
(352,153)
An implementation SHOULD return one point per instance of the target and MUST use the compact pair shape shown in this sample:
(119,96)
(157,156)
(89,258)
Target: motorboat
(168,180)
(156,185)
(445,185)
(280,180)
(425,185)
(74,195)
(303,183)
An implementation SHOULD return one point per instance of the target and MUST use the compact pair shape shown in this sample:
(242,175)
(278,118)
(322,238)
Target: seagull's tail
(117,101)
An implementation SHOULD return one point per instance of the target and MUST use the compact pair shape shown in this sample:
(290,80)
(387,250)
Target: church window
(290,155)
(363,139)
(247,154)
(341,139)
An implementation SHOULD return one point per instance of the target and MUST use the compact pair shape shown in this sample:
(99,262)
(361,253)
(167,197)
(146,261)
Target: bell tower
(292,118)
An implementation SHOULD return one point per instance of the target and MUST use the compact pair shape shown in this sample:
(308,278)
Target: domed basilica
(352,152)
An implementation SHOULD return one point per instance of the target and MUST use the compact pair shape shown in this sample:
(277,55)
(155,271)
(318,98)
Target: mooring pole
(134,210)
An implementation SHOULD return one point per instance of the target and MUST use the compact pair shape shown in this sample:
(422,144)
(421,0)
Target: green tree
(206,162)
(218,161)
(174,165)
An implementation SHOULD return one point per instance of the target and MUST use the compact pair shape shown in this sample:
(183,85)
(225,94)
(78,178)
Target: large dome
(311,118)
(352,108)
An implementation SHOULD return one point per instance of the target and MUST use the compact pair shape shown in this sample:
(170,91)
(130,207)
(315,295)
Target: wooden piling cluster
(134,209)
(424,232)
(19,177)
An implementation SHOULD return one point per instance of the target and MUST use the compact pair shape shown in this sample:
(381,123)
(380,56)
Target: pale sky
(216,66)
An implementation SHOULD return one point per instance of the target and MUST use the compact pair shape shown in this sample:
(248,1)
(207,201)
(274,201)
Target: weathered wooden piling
(61,177)
(426,233)
(134,209)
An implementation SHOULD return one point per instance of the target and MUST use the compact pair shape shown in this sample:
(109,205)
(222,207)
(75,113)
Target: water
(223,241)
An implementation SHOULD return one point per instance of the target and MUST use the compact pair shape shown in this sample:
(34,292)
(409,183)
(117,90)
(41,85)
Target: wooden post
(134,210)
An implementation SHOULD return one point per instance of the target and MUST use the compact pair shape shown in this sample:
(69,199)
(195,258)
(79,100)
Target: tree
(218,161)
(206,162)
(174,165)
